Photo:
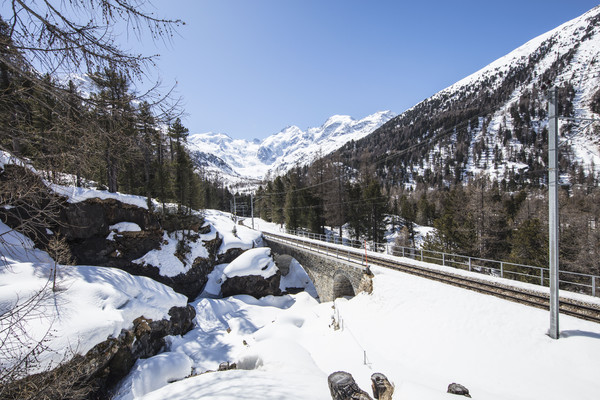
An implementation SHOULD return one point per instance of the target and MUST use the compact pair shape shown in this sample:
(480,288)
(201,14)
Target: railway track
(578,309)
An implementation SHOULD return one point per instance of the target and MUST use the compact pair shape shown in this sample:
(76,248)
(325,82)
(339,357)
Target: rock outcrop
(366,282)
(92,375)
(108,362)
(253,285)
(283,262)
(85,226)
(86,230)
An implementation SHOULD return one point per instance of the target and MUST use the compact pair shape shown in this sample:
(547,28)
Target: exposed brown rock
(382,388)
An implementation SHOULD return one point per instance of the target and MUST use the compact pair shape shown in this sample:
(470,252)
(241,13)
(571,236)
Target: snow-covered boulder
(254,273)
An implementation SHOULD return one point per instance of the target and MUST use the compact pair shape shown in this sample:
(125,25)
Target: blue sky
(249,68)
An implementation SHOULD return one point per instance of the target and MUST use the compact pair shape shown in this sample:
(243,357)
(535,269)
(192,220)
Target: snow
(7,158)
(151,374)
(252,262)
(239,160)
(91,303)
(298,278)
(234,235)
(422,334)
(125,227)
(122,227)
(78,194)
(165,258)
(221,224)
(249,263)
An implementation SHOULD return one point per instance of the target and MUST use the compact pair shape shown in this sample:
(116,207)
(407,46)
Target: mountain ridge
(494,121)
(238,160)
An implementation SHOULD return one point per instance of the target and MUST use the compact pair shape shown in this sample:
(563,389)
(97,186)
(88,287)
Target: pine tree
(408,214)
(375,208)
(355,209)
(115,112)
(148,140)
(335,200)
(183,163)
(529,244)
(292,211)
(278,201)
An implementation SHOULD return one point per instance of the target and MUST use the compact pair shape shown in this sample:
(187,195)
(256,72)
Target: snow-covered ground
(422,334)
(89,305)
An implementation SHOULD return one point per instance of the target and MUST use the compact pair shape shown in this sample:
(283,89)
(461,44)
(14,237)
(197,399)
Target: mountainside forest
(98,131)
(472,162)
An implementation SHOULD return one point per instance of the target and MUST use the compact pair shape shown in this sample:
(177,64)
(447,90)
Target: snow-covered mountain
(494,122)
(237,159)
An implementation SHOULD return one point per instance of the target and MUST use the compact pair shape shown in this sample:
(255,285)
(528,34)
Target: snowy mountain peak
(212,137)
(239,160)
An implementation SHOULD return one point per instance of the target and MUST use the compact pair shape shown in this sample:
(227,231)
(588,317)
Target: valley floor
(422,334)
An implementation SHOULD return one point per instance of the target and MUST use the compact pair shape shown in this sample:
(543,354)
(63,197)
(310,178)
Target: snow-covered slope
(494,121)
(90,303)
(242,159)
(423,335)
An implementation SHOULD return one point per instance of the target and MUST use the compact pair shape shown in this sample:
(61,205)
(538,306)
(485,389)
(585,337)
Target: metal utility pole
(553,223)
(234,211)
(252,208)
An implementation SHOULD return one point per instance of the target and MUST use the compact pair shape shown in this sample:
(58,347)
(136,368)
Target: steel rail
(578,309)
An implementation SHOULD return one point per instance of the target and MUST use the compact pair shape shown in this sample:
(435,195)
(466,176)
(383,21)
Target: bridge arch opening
(342,286)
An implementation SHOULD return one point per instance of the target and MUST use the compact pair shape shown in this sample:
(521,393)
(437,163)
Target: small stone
(456,388)
(226,366)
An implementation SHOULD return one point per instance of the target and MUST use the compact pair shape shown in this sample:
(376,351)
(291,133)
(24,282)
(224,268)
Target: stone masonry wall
(327,273)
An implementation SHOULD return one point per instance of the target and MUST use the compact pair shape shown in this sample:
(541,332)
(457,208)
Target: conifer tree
(408,214)
(335,201)
(148,140)
(183,166)
(115,112)
(355,209)
(292,208)
(278,201)
(375,208)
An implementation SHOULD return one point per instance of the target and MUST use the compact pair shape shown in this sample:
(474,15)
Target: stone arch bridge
(332,276)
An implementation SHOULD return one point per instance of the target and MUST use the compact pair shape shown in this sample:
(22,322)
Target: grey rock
(343,387)
(253,285)
(226,366)
(456,388)
(283,262)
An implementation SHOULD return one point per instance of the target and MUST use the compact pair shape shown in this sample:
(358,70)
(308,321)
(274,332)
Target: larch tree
(56,38)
